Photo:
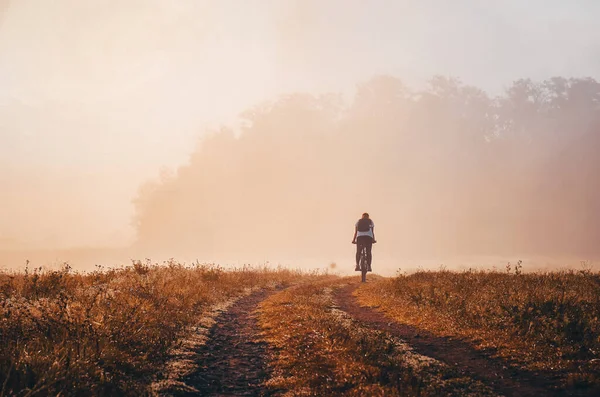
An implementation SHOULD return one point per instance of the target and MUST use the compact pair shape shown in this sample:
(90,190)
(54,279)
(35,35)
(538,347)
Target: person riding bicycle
(364,236)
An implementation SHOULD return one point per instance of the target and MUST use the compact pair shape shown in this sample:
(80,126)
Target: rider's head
(365,215)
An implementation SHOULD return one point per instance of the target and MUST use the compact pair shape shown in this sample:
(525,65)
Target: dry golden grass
(108,332)
(320,351)
(540,322)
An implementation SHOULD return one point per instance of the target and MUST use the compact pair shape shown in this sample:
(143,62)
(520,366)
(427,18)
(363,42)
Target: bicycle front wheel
(363,267)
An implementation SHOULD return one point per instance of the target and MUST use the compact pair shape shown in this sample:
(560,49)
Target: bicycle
(363,264)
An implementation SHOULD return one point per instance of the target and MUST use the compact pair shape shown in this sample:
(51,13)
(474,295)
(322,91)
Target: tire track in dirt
(232,362)
(453,352)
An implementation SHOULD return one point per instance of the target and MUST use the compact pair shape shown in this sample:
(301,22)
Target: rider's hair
(365,215)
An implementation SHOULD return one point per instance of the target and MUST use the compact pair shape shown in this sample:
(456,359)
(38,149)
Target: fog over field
(260,130)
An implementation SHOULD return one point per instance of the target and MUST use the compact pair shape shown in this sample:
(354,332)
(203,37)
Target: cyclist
(364,236)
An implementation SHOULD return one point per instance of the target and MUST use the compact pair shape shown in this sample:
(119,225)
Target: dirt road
(233,361)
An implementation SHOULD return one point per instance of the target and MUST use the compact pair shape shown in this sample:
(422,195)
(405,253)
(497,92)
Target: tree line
(447,169)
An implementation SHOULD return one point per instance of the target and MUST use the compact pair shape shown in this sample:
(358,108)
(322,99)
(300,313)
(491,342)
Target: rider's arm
(373,231)
(355,231)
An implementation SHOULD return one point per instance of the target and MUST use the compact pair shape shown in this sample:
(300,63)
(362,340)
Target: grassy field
(542,322)
(111,331)
(108,332)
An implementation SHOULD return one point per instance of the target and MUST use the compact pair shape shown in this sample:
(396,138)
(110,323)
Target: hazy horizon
(98,97)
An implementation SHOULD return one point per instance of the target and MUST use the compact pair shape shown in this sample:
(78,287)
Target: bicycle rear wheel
(363,265)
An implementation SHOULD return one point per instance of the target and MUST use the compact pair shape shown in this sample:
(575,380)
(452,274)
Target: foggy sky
(97,96)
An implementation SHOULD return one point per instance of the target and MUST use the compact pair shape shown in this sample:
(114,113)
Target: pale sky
(97,95)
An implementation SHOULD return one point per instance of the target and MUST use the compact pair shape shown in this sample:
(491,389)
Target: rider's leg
(358,248)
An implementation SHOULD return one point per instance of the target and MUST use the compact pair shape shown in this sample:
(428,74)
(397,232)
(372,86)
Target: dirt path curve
(232,362)
(453,352)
